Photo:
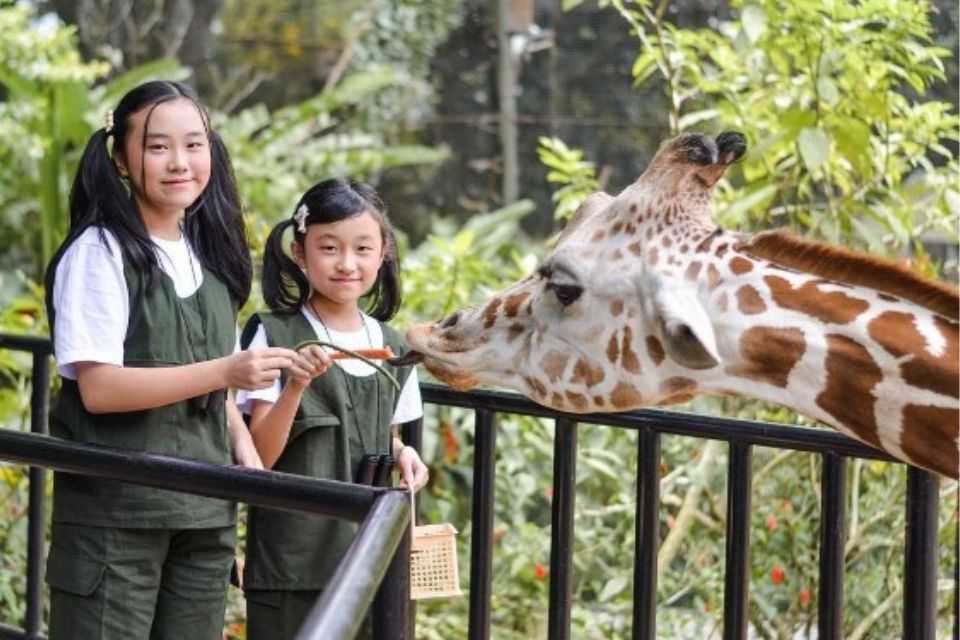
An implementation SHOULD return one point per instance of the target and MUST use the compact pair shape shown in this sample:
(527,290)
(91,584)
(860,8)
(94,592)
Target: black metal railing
(921,549)
(921,553)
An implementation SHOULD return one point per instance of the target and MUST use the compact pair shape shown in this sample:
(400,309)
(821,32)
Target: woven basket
(433,559)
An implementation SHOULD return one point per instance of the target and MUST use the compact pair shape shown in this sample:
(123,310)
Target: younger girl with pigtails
(325,417)
(142,298)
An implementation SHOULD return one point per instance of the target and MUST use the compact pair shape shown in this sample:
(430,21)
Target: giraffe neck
(879,368)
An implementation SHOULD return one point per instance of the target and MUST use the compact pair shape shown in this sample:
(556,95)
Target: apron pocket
(79,576)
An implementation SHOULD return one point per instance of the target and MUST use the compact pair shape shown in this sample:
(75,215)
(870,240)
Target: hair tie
(301,218)
(108,122)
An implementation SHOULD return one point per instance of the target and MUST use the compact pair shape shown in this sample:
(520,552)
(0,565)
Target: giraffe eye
(566,294)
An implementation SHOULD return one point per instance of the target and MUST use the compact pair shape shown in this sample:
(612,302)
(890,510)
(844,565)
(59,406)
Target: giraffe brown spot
(524,354)
(617,227)
(740,265)
(693,270)
(513,331)
(599,401)
(673,260)
(490,313)
(654,256)
(848,394)
(649,233)
(617,255)
(722,301)
(556,400)
(635,248)
(769,354)
(835,306)
(929,437)
(583,372)
(749,300)
(667,242)
(677,384)
(597,236)
(625,396)
(722,250)
(613,348)
(627,357)
(537,387)
(630,228)
(897,333)
(655,349)
(616,307)
(713,276)
(678,398)
(633,207)
(512,304)
(553,364)
(578,400)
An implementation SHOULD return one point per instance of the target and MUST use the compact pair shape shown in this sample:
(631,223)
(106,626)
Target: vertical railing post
(411,433)
(39,409)
(561,530)
(920,563)
(737,579)
(832,543)
(481,543)
(390,604)
(647,541)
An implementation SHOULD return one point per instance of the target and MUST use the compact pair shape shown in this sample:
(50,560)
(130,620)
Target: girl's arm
(108,388)
(270,423)
(244,451)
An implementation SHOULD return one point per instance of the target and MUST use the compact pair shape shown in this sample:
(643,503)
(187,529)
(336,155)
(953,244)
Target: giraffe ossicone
(646,301)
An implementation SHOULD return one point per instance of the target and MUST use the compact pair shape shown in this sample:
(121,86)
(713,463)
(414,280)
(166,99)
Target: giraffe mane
(850,267)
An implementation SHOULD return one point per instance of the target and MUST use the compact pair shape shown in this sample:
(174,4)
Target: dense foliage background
(850,110)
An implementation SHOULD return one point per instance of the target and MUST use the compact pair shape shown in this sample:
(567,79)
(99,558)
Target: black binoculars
(374,469)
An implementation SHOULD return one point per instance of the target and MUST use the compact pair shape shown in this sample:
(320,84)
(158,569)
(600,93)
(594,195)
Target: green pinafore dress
(341,417)
(90,515)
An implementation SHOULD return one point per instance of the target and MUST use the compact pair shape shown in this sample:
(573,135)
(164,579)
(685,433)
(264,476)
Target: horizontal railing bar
(12,633)
(228,482)
(340,611)
(22,342)
(763,434)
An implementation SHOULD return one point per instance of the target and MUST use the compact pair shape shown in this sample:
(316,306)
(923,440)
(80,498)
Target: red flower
(450,442)
(777,575)
(804,596)
(539,571)
(771,522)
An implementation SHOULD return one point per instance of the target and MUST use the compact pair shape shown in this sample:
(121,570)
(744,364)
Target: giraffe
(646,301)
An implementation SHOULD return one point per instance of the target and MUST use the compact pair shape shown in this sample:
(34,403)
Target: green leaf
(613,587)
(754,22)
(814,147)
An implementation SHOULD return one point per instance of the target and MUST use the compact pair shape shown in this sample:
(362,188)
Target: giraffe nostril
(450,321)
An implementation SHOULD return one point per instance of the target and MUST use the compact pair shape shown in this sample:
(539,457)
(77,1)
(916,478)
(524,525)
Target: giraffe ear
(685,329)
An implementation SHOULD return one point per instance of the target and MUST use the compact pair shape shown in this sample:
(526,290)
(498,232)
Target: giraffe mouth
(408,359)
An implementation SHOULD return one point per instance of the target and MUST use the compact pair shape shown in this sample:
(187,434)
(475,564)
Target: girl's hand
(413,473)
(257,368)
(312,361)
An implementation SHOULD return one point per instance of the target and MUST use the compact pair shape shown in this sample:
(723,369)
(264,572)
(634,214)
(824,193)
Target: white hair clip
(108,122)
(301,218)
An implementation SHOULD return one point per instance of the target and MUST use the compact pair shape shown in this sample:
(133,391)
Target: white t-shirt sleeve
(271,394)
(409,405)
(90,302)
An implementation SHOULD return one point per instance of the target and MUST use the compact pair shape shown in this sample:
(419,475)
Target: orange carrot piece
(373,354)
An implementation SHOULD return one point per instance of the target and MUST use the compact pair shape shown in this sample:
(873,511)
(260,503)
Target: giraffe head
(609,321)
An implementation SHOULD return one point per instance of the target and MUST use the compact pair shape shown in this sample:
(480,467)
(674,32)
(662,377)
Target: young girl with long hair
(142,298)
(325,417)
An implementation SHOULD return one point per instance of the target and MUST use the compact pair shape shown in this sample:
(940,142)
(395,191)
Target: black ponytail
(285,287)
